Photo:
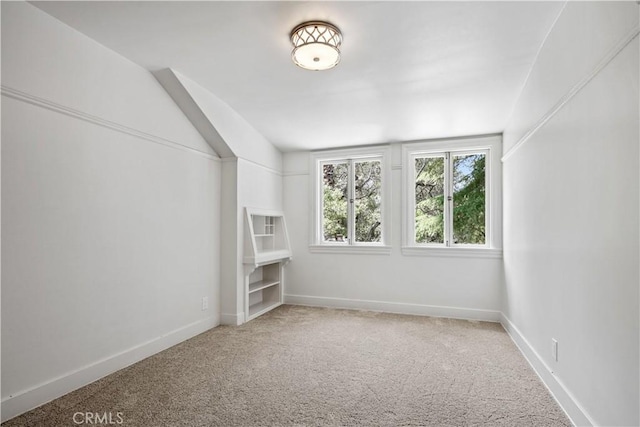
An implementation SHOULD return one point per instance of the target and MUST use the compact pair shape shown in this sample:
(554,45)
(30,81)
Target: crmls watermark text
(104,418)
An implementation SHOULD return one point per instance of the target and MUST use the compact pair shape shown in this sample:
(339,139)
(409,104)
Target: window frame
(490,146)
(350,156)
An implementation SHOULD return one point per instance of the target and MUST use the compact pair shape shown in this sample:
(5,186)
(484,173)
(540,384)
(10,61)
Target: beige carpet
(323,367)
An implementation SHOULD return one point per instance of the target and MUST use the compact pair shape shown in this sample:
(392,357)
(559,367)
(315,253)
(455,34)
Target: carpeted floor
(302,366)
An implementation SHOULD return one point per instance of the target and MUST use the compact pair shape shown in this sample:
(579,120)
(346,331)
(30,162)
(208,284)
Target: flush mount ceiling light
(316,45)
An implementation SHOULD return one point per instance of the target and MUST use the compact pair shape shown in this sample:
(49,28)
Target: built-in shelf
(266,239)
(268,256)
(264,289)
(260,308)
(262,284)
(266,250)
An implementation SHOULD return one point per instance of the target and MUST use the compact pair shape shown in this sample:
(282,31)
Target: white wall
(251,173)
(258,187)
(246,184)
(110,222)
(432,285)
(571,194)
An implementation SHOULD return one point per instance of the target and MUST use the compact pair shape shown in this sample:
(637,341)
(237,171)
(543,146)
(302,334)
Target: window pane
(367,201)
(429,176)
(469,199)
(334,201)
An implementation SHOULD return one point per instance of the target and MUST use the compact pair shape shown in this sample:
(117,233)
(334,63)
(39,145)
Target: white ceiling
(409,70)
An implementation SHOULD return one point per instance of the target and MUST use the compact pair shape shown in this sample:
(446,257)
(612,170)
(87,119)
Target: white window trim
(317,243)
(493,246)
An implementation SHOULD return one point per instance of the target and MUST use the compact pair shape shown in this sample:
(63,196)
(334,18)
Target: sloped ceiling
(409,70)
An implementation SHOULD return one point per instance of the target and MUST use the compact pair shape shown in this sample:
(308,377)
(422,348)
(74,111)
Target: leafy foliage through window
(351,201)
(429,199)
(469,199)
(335,201)
(450,198)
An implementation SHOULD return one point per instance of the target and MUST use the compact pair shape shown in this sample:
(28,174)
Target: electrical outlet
(205,303)
(554,349)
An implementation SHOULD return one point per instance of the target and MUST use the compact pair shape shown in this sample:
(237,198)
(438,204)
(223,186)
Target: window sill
(452,252)
(350,249)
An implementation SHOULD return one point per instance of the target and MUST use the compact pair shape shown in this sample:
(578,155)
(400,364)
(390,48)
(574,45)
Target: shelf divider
(262,284)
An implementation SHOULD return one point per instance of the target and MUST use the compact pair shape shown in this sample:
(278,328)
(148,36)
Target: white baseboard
(576,413)
(395,307)
(24,401)
(232,319)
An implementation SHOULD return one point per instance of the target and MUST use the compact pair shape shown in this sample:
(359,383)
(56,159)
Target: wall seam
(535,59)
(567,97)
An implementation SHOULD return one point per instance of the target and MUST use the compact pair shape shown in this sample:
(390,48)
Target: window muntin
(449,202)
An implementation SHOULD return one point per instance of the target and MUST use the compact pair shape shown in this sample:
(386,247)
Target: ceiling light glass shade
(316,45)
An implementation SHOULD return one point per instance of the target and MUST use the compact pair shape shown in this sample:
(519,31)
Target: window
(449,202)
(351,200)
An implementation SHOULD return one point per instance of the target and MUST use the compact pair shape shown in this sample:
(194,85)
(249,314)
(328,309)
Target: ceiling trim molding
(267,168)
(294,173)
(99,121)
(237,159)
